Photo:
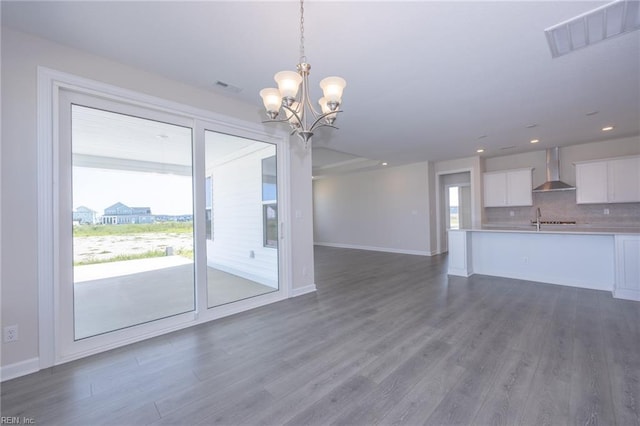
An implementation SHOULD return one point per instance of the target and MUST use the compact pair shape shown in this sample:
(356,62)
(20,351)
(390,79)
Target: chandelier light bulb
(288,83)
(324,106)
(271,100)
(291,117)
(332,87)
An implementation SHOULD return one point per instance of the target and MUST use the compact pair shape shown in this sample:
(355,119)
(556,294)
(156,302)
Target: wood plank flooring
(387,339)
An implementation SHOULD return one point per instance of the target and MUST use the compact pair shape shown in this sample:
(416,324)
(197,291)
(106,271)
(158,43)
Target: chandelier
(294,101)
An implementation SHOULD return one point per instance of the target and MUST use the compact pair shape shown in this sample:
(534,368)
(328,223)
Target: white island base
(595,260)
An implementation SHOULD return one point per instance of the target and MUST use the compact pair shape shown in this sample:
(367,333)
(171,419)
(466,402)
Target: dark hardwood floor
(387,339)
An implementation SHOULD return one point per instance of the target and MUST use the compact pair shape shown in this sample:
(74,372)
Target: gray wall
(386,209)
(391,209)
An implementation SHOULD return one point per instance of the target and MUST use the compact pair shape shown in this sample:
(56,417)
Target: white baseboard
(372,248)
(22,368)
(627,294)
(299,291)
(459,272)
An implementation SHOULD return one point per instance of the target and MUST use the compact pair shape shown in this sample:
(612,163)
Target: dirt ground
(108,246)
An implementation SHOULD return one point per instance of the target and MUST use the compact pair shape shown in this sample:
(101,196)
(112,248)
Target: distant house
(85,216)
(120,214)
(173,218)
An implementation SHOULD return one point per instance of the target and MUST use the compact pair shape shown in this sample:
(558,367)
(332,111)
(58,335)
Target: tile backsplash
(562,205)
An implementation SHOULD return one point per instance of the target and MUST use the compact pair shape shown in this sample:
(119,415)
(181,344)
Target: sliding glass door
(161,223)
(242,218)
(132,220)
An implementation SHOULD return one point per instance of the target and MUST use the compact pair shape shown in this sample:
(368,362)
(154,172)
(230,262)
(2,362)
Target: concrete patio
(115,295)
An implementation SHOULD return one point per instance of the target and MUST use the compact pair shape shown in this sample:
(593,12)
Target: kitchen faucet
(538,216)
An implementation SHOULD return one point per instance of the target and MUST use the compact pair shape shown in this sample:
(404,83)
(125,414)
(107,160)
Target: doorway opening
(455,204)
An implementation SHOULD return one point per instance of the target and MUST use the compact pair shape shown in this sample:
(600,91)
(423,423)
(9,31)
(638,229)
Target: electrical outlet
(606,211)
(11,333)
(512,213)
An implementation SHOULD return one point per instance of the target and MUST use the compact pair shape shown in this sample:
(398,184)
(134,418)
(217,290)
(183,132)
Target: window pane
(454,216)
(269,181)
(133,221)
(270,215)
(243,173)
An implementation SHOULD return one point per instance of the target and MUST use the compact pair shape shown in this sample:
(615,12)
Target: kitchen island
(595,258)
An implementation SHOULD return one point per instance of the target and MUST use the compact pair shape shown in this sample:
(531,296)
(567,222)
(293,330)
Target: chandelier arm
(326,125)
(295,114)
(317,123)
(275,121)
(306,97)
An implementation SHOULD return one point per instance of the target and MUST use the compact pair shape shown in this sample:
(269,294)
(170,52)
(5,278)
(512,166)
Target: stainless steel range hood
(553,182)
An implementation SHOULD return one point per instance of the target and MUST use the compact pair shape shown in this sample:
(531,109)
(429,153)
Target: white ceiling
(103,139)
(426,80)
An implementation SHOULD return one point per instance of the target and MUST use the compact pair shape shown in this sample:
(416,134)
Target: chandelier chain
(303,58)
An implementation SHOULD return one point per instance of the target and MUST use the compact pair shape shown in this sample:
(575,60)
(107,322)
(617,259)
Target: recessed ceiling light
(590,113)
(606,129)
(531,126)
(480,150)
(384,164)
(535,140)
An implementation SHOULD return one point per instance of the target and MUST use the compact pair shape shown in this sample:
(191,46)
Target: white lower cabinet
(627,281)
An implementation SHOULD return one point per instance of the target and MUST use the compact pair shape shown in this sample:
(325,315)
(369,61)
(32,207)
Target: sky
(453,196)
(101,188)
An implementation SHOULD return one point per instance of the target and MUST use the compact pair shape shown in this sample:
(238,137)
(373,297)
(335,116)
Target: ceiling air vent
(611,20)
(228,87)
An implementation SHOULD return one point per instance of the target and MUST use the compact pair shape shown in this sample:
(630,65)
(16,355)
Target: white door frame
(446,198)
(440,220)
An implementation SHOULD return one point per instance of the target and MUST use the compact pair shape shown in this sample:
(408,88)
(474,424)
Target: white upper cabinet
(608,181)
(519,187)
(508,188)
(591,182)
(624,180)
(495,189)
